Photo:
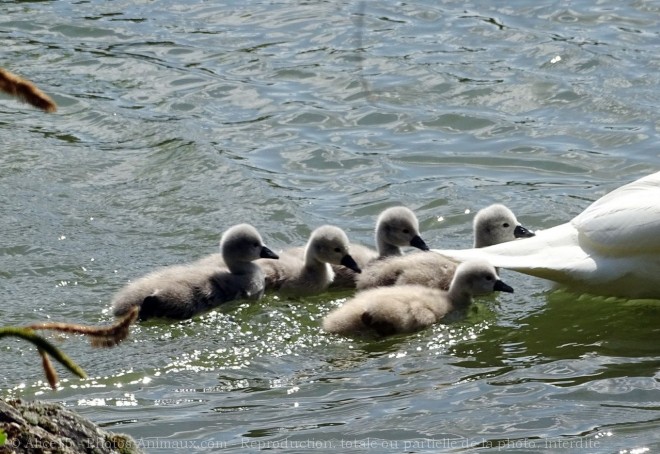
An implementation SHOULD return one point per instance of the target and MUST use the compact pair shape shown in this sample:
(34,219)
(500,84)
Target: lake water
(179,119)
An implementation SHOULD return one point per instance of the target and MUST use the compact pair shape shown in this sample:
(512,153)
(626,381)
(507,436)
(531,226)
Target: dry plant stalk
(101,336)
(45,349)
(25,91)
(49,370)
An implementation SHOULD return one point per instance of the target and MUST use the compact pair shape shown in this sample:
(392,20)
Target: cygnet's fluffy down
(492,225)
(311,275)
(422,268)
(182,291)
(497,224)
(396,227)
(408,308)
(213,260)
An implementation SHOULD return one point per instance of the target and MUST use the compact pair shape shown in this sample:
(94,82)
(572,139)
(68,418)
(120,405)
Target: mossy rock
(42,427)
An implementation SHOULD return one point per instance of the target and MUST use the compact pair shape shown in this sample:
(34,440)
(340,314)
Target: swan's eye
(488,277)
(505,225)
(337,249)
(406,231)
(256,244)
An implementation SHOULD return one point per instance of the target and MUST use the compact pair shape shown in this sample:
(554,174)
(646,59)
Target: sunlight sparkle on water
(128,401)
(95,402)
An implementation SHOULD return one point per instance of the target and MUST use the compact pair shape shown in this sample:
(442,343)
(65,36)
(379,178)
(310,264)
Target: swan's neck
(483,238)
(315,267)
(386,249)
(459,298)
(240,267)
(319,270)
(480,241)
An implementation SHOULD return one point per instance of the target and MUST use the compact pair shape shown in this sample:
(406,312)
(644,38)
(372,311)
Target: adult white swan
(612,248)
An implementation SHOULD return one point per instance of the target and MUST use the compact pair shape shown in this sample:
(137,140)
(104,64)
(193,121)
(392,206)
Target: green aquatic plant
(101,336)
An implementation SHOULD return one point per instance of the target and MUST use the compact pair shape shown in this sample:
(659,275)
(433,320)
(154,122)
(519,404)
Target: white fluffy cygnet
(407,308)
(182,291)
(396,227)
(294,276)
(497,224)
(492,225)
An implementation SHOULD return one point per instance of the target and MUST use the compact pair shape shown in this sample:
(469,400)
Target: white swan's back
(625,220)
(612,248)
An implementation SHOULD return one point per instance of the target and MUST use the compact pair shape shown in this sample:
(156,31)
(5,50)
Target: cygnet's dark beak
(522,232)
(502,287)
(268,254)
(349,263)
(419,243)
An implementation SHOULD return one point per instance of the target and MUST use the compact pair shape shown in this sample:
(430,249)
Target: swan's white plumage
(611,248)
(625,220)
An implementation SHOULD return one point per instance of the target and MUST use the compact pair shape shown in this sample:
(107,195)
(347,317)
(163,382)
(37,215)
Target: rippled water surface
(178,119)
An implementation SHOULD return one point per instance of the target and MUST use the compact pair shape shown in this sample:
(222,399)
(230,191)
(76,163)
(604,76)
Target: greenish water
(179,119)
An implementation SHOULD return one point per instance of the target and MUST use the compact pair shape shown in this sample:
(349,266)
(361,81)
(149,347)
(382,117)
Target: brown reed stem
(25,91)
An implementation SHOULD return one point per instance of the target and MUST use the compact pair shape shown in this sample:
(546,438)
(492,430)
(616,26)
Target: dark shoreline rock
(44,427)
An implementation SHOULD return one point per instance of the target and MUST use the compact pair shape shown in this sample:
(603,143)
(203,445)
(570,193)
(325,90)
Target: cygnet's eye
(505,225)
(488,277)
(256,245)
(337,249)
(406,231)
